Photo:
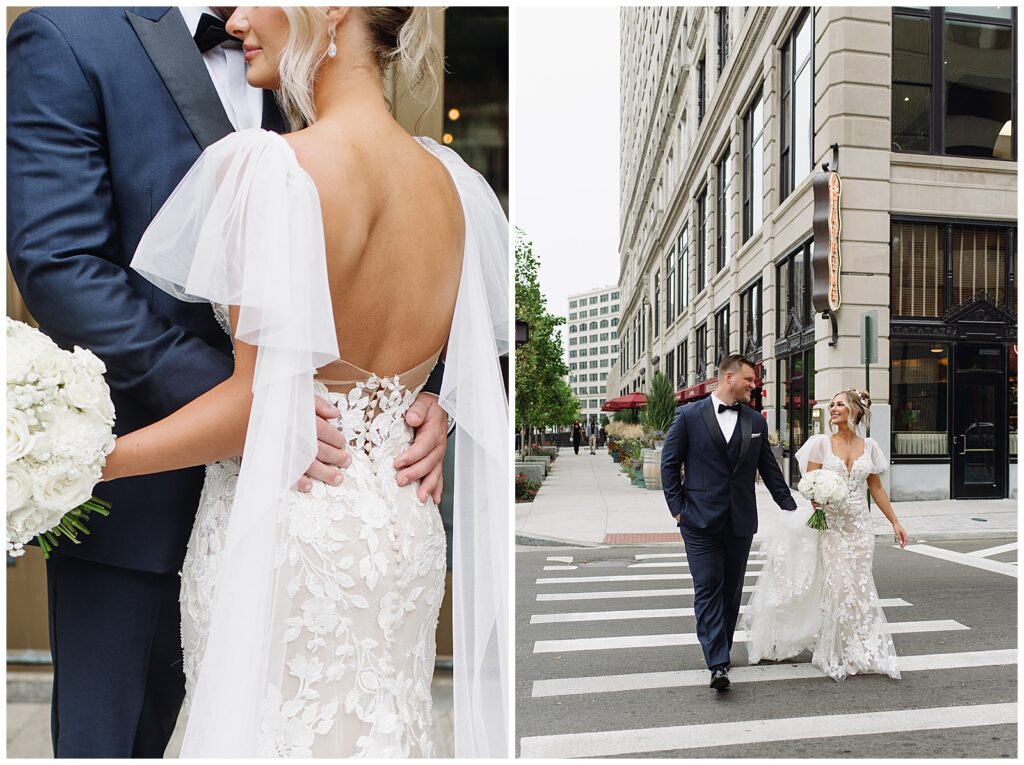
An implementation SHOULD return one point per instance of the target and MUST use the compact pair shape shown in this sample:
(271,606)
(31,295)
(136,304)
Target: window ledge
(947,162)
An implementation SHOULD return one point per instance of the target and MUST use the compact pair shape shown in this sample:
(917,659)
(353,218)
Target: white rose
(89,362)
(19,359)
(62,486)
(19,486)
(19,437)
(84,391)
(81,437)
(50,362)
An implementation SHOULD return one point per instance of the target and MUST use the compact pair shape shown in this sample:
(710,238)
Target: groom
(107,109)
(719,443)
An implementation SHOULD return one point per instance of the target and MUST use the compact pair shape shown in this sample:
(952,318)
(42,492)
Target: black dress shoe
(720,678)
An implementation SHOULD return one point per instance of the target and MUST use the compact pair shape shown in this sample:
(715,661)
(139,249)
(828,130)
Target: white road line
(567,645)
(650,556)
(965,559)
(614,742)
(652,613)
(560,568)
(994,550)
(560,558)
(629,578)
(676,564)
(760,673)
(613,594)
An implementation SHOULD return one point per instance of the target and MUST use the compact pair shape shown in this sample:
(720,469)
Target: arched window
(593,325)
(604,323)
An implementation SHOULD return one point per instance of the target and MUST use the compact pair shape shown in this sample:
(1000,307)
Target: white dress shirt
(726,420)
(242,102)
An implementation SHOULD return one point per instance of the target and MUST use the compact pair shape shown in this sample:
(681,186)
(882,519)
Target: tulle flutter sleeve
(244,228)
(815,449)
(879,463)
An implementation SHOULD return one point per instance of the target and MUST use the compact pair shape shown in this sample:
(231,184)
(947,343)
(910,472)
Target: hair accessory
(332,49)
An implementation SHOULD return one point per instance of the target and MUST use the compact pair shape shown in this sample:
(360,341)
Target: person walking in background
(592,430)
(577,436)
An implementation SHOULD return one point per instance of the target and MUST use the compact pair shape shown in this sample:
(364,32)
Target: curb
(29,687)
(536,541)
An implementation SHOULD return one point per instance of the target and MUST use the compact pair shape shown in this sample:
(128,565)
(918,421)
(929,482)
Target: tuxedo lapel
(272,117)
(180,65)
(745,426)
(714,429)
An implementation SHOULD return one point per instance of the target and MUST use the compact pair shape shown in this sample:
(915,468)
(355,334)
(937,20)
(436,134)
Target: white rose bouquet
(59,432)
(824,488)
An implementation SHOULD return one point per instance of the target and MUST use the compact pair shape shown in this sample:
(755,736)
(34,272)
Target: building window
(604,336)
(702,209)
(964,105)
(917,271)
(701,362)
(593,363)
(593,300)
(615,321)
(604,298)
(604,323)
(683,362)
(723,37)
(604,310)
(572,354)
(701,85)
(723,212)
(750,320)
(572,303)
(979,263)
(657,302)
(670,286)
(615,308)
(753,167)
(797,106)
(721,335)
(615,296)
(920,408)
(572,315)
(572,341)
(593,312)
(793,296)
(682,269)
(593,325)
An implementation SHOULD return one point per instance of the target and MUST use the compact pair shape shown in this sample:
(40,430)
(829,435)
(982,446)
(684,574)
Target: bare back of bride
(343,259)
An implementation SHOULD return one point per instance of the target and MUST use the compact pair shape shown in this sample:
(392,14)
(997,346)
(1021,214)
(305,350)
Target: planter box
(533,470)
(541,460)
(547,451)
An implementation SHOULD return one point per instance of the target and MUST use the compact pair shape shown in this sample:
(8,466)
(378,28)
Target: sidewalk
(28,716)
(587,501)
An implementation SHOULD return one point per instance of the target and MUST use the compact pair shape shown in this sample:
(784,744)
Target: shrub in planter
(526,489)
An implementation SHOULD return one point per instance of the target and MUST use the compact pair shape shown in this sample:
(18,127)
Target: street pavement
(586,500)
(608,665)
(28,716)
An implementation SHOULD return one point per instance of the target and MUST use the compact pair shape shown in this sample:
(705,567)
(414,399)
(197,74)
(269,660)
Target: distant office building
(592,346)
(727,113)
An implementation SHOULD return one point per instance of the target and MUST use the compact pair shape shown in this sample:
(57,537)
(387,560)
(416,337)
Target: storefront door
(979,422)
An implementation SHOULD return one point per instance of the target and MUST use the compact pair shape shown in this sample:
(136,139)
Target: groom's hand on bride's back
(423,459)
(332,455)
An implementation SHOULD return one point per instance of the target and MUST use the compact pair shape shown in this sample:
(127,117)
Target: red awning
(632,401)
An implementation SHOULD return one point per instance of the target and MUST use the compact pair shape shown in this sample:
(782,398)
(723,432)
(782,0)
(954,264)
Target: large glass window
(750,320)
(793,295)
(682,353)
(670,286)
(953,75)
(683,269)
(797,106)
(723,37)
(657,302)
(917,274)
(701,87)
(795,394)
(979,263)
(701,363)
(701,254)
(920,409)
(670,367)
(721,335)
(753,167)
(723,212)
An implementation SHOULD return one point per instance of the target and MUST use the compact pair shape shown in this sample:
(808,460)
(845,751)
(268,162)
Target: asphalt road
(591,687)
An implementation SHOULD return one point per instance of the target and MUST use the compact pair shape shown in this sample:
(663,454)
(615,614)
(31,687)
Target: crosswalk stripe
(560,568)
(613,594)
(994,550)
(965,559)
(616,742)
(565,645)
(653,613)
(648,556)
(560,558)
(626,578)
(675,564)
(760,673)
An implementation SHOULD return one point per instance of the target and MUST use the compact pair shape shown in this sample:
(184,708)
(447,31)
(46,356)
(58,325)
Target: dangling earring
(332,49)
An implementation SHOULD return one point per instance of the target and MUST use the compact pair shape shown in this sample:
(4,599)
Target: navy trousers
(122,654)
(718,563)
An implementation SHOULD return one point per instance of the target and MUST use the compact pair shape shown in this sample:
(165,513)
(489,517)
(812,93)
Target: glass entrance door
(979,423)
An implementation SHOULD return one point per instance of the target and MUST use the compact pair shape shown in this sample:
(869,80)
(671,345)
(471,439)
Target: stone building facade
(592,346)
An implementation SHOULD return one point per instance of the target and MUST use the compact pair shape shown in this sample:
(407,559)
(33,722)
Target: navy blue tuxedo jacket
(107,109)
(716,492)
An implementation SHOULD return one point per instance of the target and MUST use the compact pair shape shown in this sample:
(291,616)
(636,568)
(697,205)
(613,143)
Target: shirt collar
(715,401)
(192,14)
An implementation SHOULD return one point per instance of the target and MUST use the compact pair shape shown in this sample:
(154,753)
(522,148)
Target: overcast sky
(566,113)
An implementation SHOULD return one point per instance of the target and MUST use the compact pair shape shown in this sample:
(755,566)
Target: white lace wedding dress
(816,590)
(308,620)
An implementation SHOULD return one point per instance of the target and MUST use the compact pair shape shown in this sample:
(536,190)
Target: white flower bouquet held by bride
(824,488)
(59,432)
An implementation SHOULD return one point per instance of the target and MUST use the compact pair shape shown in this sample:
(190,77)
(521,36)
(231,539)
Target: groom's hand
(423,459)
(332,455)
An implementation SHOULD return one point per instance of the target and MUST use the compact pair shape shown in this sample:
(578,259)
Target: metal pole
(867,376)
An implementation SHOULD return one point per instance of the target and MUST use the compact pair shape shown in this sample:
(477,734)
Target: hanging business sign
(825,261)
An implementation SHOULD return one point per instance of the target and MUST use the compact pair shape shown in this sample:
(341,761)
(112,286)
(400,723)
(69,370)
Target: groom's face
(740,383)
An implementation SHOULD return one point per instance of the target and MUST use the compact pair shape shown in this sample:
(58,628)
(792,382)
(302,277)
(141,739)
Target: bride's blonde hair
(858,402)
(401,39)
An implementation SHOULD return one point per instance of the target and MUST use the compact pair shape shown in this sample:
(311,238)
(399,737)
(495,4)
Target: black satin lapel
(180,65)
(745,429)
(272,117)
(714,429)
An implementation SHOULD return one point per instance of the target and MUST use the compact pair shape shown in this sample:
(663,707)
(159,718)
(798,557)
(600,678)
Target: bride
(308,620)
(816,590)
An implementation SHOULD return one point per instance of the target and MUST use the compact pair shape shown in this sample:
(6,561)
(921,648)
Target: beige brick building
(726,113)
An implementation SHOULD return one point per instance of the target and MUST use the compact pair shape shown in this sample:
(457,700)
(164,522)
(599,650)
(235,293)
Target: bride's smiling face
(838,410)
(263,31)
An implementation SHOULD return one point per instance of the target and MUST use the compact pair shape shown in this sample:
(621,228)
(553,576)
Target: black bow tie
(211,32)
(734,407)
